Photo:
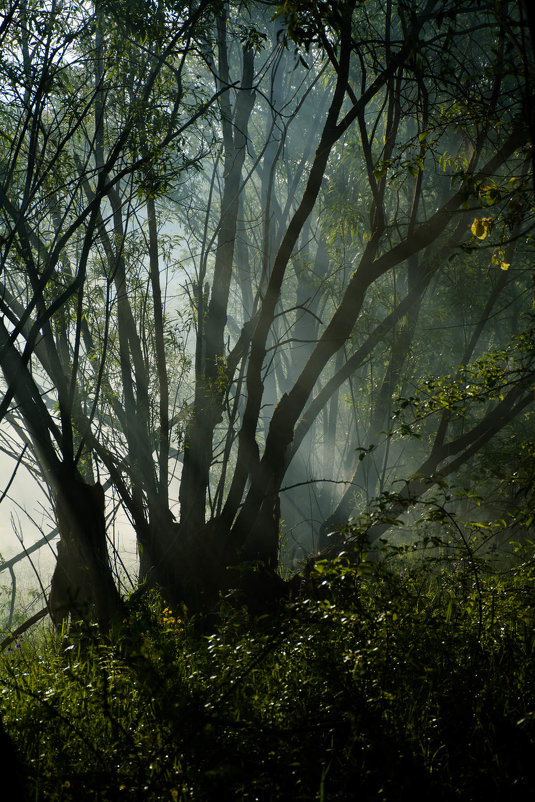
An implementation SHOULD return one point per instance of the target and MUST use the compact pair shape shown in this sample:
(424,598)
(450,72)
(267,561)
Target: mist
(305,291)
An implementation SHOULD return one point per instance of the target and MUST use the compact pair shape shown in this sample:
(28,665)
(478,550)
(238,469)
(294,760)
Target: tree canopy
(265,267)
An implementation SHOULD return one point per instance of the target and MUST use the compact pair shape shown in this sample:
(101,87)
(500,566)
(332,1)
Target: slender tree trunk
(211,373)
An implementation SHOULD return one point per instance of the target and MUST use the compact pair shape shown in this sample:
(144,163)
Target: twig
(23,627)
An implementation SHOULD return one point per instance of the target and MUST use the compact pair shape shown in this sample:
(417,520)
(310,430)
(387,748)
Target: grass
(402,679)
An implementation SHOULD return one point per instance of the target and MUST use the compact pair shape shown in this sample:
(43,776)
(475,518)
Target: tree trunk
(82,583)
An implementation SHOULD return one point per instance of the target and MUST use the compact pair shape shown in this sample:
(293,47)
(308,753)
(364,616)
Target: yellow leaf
(498,259)
(480,227)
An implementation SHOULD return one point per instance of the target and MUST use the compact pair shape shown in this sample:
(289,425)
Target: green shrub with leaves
(388,679)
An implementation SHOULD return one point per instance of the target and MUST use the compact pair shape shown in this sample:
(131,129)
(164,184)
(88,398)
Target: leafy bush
(386,680)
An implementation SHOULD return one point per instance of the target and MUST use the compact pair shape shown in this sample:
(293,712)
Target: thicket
(407,677)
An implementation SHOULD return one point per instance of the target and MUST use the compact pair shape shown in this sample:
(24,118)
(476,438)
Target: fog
(252,264)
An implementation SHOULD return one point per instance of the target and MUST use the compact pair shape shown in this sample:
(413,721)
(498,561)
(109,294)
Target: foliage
(227,227)
(377,681)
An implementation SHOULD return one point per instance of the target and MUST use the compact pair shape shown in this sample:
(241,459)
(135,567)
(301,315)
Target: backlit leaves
(481,227)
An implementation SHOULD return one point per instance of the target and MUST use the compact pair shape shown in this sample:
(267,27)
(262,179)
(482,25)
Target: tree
(63,164)
(327,172)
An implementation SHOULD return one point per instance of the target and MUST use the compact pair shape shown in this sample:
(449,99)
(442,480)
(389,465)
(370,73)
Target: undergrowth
(398,679)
